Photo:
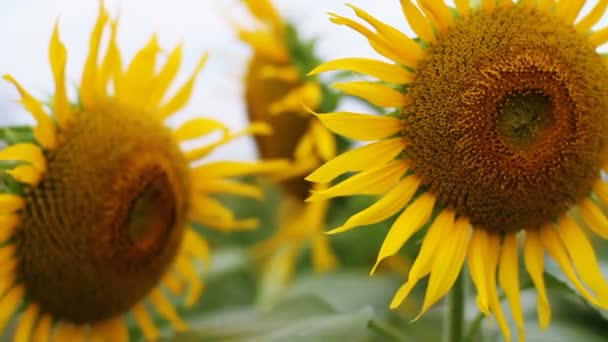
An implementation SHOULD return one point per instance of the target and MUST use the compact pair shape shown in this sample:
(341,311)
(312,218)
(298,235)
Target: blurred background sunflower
(343,304)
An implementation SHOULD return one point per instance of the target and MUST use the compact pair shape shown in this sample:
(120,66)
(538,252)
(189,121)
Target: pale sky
(203,26)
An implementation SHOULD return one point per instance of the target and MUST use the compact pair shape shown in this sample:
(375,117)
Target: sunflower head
(500,131)
(96,210)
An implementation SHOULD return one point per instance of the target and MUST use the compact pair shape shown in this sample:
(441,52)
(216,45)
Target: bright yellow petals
(42,331)
(236,169)
(90,72)
(197,246)
(377,42)
(546,5)
(26,174)
(594,218)
(557,251)
(145,322)
(306,96)
(45,132)
(8,224)
(360,126)
(174,285)
(463,6)
(599,38)
(26,152)
(401,43)
(136,82)
(7,254)
(448,261)
(439,13)
(113,330)
(289,74)
(9,304)
(323,259)
(265,12)
(182,96)
(569,10)
(10,203)
(358,159)
(111,66)
(583,256)
(166,309)
(424,261)
(325,141)
(585,24)
(371,182)
(211,212)
(383,71)
(417,21)
(488,5)
(480,256)
(508,277)
(69,332)
(187,271)
(229,187)
(393,201)
(58,59)
(376,93)
(408,223)
(265,44)
(199,127)
(26,323)
(534,260)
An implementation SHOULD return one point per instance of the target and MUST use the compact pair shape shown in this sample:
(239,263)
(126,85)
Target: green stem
(454,320)
(386,331)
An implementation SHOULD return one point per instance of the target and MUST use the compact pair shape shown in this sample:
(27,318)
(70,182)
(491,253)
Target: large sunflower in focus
(276,87)
(95,212)
(499,139)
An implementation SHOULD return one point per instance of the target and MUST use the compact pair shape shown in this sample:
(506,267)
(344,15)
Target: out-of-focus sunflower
(500,134)
(276,87)
(94,214)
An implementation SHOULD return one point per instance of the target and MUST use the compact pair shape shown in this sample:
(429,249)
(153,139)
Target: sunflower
(95,212)
(498,140)
(276,86)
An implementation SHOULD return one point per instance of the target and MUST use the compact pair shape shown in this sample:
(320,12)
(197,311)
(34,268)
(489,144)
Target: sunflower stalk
(455,314)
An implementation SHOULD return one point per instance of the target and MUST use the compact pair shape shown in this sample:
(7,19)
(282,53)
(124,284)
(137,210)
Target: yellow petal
(235,169)
(25,152)
(212,213)
(199,127)
(174,285)
(409,222)
(58,58)
(166,309)
(8,226)
(478,266)
(463,6)
(569,10)
(296,100)
(265,44)
(10,203)
(7,253)
(393,201)
(376,41)
(26,324)
(42,332)
(400,42)
(182,96)
(358,159)
(376,93)
(145,322)
(447,263)
(488,5)
(439,13)
(383,71)
(360,126)
(601,191)
(264,11)
(197,246)
(508,276)
(325,142)
(492,249)
(594,217)
(89,74)
(228,187)
(424,261)
(26,174)
(112,330)
(599,38)
(585,24)
(165,77)
(69,332)
(557,251)
(288,74)
(546,5)
(372,182)
(534,260)
(45,132)
(417,21)
(188,272)
(137,82)
(583,256)
(9,305)
(111,67)
(323,258)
